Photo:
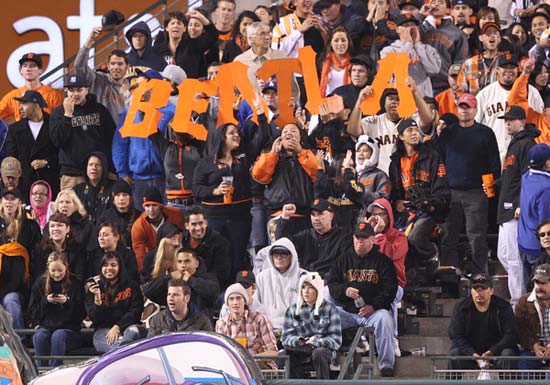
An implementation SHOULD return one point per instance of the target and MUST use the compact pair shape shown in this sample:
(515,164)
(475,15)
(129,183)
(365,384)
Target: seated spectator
(122,210)
(359,73)
(362,282)
(67,203)
(141,48)
(532,321)
(318,247)
(393,244)
(252,330)
(482,325)
(161,260)
(109,241)
(58,236)
(278,284)
(191,269)
(180,315)
(41,206)
(144,229)
(11,172)
(311,332)
(209,245)
(57,308)
(543,233)
(260,259)
(114,304)
(248,280)
(95,192)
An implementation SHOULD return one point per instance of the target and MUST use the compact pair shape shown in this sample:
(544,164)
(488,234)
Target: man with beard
(492,100)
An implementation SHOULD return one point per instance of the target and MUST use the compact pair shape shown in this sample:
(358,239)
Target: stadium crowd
(280,236)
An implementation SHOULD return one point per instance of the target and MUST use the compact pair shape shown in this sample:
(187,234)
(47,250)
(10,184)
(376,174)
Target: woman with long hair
(57,307)
(68,203)
(114,304)
(41,206)
(58,236)
(265,14)
(160,260)
(539,79)
(335,66)
(238,42)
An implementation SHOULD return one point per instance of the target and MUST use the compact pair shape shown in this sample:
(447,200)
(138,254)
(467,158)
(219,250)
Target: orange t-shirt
(407,166)
(9,107)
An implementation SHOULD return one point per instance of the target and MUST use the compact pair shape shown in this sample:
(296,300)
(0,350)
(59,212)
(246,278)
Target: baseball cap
(417,3)
(32,97)
(454,69)
(405,123)
(538,155)
(542,273)
(31,57)
(174,74)
(76,80)
(469,3)
(11,167)
(321,205)
(507,59)
(245,278)
(111,19)
(513,112)
(152,196)
(279,249)
(375,204)
(363,230)
(488,25)
(5,191)
(322,4)
(468,99)
(270,85)
(481,279)
(149,74)
(405,18)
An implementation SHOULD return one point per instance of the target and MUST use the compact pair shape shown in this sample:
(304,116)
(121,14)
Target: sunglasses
(544,234)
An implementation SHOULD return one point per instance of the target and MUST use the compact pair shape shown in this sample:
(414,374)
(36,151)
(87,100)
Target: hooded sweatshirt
(276,291)
(41,215)
(393,243)
(374,182)
(148,58)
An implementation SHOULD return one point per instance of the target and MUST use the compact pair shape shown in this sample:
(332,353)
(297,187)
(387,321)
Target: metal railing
(115,39)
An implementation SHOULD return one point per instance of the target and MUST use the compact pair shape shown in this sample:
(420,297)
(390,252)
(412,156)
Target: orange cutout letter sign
(147,98)
(397,65)
(311,82)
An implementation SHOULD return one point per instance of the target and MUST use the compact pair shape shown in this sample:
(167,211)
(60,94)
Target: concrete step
(408,367)
(447,305)
(432,326)
(433,345)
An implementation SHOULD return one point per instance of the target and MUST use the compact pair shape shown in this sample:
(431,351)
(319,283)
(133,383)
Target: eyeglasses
(281,256)
(39,194)
(544,234)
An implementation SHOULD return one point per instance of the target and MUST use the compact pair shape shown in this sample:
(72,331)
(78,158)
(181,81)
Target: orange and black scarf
(332,61)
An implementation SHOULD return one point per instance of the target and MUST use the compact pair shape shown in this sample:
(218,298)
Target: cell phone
(90,281)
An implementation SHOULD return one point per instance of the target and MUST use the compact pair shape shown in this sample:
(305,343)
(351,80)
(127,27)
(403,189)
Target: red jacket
(393,243)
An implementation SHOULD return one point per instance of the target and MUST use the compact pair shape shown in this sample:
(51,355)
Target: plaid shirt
(254,327)
(475,75)
(323,331)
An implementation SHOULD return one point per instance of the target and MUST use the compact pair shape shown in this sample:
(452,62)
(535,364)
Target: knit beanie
(237,288)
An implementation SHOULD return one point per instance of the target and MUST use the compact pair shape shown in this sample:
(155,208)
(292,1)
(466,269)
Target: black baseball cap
(321,205)
(31,57)
(5,191)
(513,113)
(32,97)
(406,18)
(481,279)
(111,19)
(76,80)
(363,230)
(405,123)
(245,278)
(417,3)
(507,59)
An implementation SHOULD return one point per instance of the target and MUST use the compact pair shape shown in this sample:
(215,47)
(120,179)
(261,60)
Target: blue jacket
(139,158)
(534,202)
(148,58)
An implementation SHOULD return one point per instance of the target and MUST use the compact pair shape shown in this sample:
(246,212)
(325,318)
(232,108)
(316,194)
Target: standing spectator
(29,141)
(114,304)
(224,15)
(40,205)
(167,42)
(78,127)
(448,99)
(335,63)
(543,234)
(30,68)
(425,61)
(180,314)
(381,29)
(468,150)
(482,325)
(57,308)
(359,73)
(238,40)
(107,86)
(11,172)
(493,100)
(509,187)
(144,229)
(374,182)
(539,52)
(534,206)
(363,283)
(311,330)
(141,48)
(439,31)
(95,192)
(335,14)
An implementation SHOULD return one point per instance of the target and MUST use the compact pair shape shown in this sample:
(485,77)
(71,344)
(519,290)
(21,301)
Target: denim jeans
(131,333)
(55,343)
(12,303)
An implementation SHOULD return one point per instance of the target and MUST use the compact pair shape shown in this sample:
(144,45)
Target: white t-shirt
(35,128)
(385,132)
(336,80)
(491,104)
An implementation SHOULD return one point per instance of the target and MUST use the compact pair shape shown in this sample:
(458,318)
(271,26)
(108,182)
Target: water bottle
(359,302)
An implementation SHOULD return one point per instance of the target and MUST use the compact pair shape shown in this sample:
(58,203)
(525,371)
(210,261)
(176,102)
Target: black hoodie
(122,303)
(90,129)
(148,58)
(95,199)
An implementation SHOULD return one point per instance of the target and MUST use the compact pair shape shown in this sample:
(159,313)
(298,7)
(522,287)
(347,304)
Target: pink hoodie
(393,243)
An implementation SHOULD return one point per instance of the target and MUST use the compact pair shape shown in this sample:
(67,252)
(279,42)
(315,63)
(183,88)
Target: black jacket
(84,232)
(164,322)
(316,252)
(90,129)
(126,254)
(98,198)
(214,250)
(374,276)
(149,58)
(429,175)
(53,316)
(124,220)
(501,320)
(21,144)
(75,257)
(515,164)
